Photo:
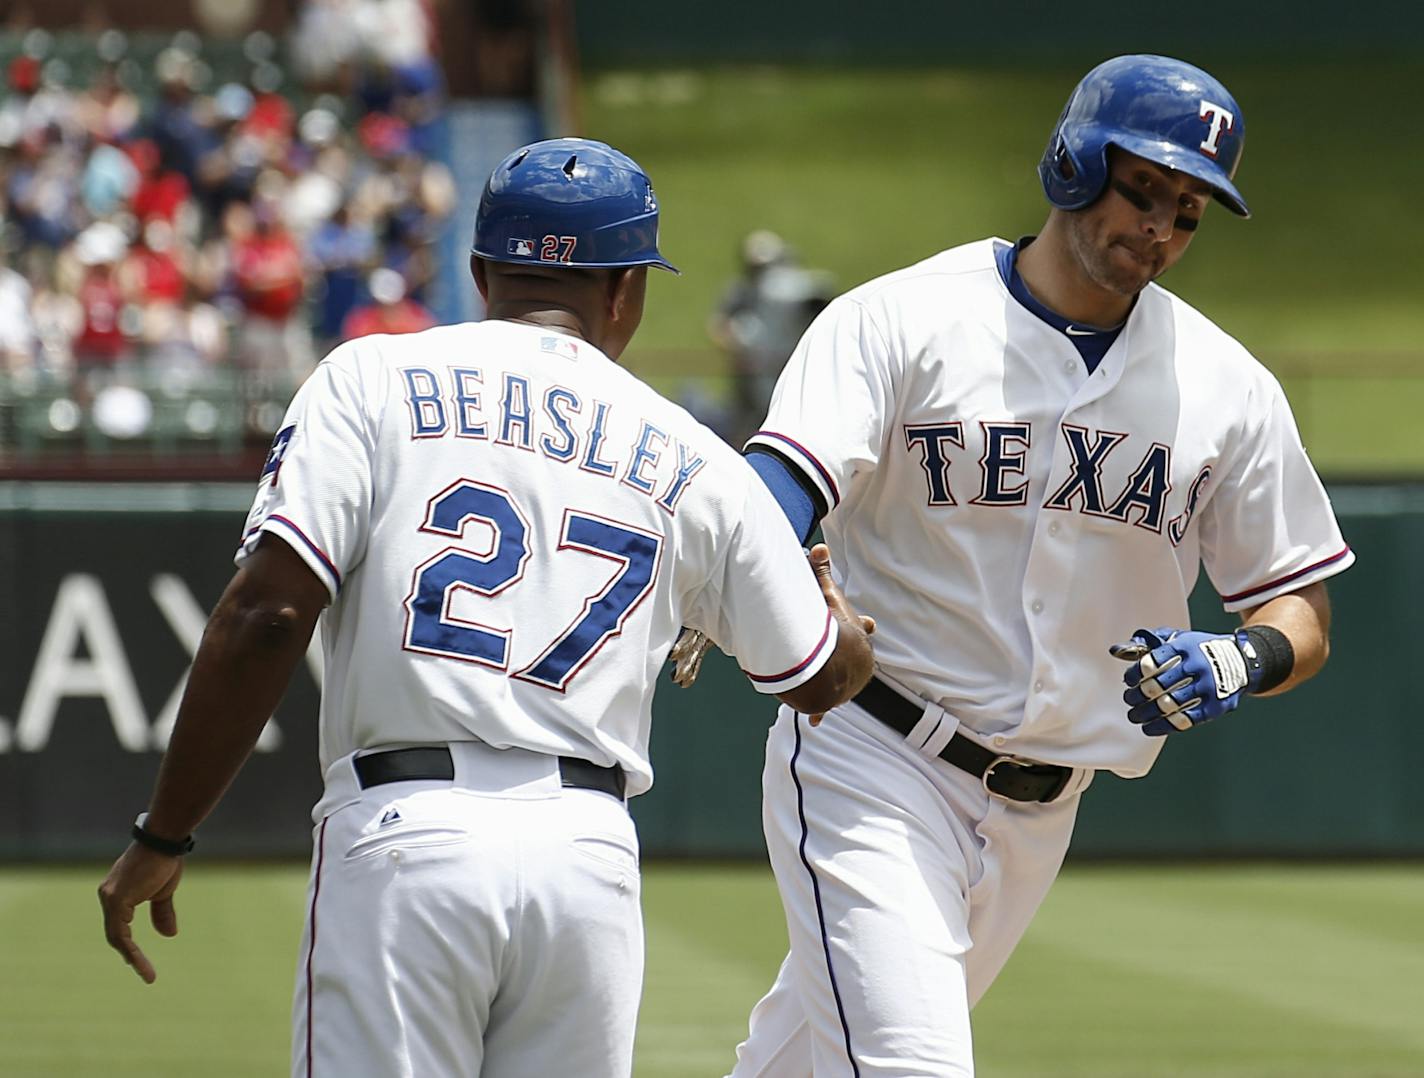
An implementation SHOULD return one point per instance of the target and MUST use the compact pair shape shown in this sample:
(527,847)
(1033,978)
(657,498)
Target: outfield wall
(849,31)
(106,589)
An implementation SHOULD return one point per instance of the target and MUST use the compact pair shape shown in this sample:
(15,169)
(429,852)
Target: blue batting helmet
(1158,108)
(569,202)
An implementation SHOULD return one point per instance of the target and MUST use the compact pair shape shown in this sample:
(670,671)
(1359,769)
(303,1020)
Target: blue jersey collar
(1092,342)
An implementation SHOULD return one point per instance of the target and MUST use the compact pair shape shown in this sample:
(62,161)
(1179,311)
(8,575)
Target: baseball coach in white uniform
(505,531)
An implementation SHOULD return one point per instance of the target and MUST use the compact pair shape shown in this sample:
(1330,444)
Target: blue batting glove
(1182,678)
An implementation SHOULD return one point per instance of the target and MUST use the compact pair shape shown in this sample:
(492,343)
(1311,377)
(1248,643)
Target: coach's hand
(140,875)
(820,559)
(1179,677)
(859,627)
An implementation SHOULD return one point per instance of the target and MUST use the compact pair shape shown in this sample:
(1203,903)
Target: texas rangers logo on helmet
(1219,120)
(523,248)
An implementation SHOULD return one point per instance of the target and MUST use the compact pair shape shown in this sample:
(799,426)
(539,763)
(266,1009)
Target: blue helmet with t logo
(1162,109)
(569,202)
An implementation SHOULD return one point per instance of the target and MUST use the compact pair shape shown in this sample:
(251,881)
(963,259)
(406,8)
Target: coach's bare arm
(252,643)
(850,665)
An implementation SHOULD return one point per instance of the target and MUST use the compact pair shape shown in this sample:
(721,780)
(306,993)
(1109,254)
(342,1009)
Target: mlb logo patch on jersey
(522,248)
(559,346)
(273,463)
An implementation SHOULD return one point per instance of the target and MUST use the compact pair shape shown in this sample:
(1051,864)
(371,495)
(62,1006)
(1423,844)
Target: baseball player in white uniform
(1022,453)
(505,530)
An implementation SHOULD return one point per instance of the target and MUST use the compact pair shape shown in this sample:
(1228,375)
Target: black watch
(144,837)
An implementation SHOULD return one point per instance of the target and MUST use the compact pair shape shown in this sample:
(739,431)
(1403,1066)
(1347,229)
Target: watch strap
(172,847)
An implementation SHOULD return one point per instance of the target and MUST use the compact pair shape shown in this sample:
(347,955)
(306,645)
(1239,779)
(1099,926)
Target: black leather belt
(435,762)
(1007,776)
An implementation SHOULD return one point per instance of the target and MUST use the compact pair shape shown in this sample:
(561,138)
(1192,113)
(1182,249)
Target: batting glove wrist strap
(1270,658)
(172,847)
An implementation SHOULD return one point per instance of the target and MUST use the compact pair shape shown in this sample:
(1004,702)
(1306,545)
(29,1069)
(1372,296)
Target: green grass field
(1239,971)
(864,171)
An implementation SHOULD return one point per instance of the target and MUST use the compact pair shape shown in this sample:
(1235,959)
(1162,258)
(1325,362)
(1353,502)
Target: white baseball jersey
(1006,515)
(513,528)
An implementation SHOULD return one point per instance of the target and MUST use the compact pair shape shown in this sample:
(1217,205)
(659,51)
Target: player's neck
(1057,280)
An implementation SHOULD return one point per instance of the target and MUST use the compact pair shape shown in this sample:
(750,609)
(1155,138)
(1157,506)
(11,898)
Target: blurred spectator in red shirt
(155,265)
(271,115)
(390,310)
(383,136)
(101,341)
(24,74)
(269,269)
(160,194)
(274,337)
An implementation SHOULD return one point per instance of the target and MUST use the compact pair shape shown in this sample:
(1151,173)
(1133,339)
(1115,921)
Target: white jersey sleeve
(844,367)
(1268,528)
(761,604)
(315,492)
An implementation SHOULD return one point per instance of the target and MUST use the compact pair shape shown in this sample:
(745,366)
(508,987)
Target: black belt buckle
(1004,775)
(1029,781)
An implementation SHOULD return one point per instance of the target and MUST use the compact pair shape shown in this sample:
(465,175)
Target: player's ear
(477,271)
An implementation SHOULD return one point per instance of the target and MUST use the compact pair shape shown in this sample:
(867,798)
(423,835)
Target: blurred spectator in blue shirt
(182,139)
(43,189)
(341,253)
(109,181)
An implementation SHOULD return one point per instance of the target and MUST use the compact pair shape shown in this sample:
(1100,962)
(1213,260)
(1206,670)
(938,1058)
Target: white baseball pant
(905,885)
(488,926)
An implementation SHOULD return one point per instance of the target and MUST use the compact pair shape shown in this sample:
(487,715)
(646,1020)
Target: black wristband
(144,837)
(1275,657)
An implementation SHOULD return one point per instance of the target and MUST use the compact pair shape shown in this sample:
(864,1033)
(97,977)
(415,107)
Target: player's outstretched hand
(140,875)
(1180,678)
(858,625)
(687,654)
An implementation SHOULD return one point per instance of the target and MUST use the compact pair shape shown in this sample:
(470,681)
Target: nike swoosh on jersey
(1074,331)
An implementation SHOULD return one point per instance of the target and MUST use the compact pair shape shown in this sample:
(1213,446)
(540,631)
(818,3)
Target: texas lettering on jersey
(1002,480)
(558,427)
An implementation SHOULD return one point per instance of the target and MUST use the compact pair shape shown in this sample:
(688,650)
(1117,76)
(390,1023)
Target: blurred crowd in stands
(171,210)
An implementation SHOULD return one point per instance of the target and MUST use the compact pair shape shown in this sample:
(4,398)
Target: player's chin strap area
(1010,777)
